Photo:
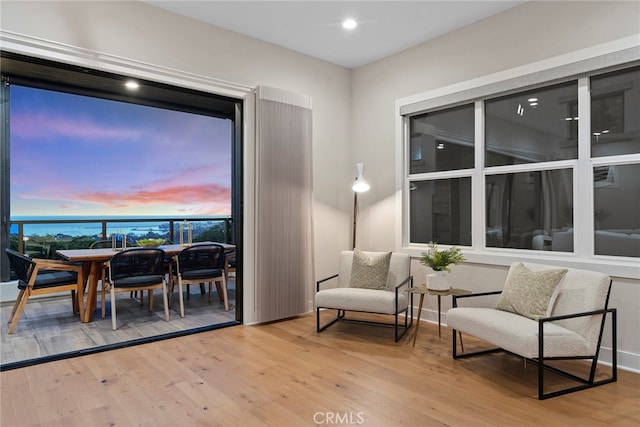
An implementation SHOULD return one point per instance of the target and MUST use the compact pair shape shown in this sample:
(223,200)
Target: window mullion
(583,178)
(478,215)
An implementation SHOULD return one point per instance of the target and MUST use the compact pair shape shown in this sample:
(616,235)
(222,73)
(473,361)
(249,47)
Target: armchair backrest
(580,291)
(399,268)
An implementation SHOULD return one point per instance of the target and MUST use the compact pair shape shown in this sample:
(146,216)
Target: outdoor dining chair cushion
(51,278)
(135,281)
(202,273)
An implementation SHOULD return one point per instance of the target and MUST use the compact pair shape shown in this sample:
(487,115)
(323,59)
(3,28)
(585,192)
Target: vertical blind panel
(284,232)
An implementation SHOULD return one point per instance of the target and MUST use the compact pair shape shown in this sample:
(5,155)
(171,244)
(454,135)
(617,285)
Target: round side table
(423,290)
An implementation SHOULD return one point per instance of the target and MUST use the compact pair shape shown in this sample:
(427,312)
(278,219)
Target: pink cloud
(213,196)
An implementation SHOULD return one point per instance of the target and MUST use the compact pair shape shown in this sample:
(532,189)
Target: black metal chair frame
(37,277)
(399,329)
(584,383)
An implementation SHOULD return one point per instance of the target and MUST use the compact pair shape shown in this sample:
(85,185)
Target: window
(615,108)
(617,211)
(440,209)
(442,140)
(526,210)
(526,207)
(534,126)
(545,162)
(615,134)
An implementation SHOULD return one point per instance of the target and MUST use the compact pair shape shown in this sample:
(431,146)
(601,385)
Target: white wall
(529,33)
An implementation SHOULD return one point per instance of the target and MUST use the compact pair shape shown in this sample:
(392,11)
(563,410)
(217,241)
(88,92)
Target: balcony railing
(41,238)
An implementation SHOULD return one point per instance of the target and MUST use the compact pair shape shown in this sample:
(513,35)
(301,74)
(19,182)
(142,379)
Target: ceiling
(314,27)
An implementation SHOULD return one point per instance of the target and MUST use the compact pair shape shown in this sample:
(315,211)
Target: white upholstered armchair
(364,284)
(542,321)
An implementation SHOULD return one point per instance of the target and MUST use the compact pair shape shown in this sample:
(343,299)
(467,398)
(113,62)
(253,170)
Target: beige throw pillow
(529,293)
(369,272)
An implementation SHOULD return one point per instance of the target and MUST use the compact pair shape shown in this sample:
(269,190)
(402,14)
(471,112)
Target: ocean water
(74,229)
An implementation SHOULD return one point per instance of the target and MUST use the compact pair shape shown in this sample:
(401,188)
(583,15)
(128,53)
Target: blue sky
(77,155)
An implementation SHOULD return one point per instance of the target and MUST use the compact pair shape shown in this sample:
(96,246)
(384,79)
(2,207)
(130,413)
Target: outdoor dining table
(92,262)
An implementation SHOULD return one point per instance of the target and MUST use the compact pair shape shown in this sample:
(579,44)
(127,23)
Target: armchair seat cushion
(516,333)
(361,299)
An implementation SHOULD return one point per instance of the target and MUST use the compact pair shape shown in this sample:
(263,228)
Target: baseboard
(626,361)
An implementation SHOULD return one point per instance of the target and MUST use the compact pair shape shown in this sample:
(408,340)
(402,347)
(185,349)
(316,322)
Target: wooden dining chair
(137,269)
(105,244)
(43,276)
(201,263)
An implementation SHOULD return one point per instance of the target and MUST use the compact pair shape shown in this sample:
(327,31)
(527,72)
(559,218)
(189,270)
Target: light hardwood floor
(285,374)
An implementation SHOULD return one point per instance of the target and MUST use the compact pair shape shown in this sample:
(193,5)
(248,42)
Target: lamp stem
(355,215)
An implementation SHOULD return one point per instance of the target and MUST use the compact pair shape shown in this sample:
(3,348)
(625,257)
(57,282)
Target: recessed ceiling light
(532,100)
(349,24)
(132,85)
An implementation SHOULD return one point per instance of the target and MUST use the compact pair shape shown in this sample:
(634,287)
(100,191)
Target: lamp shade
(360,185)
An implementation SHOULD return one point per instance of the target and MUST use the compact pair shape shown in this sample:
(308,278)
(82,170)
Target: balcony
(48,330)
(41,238)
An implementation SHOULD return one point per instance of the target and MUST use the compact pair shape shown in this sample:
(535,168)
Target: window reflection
(442,140)
(441,211)
(617,210)
(530,210)
(615,108)
(530,127)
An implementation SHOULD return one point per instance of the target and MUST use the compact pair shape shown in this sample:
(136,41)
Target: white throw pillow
(530,293)
(369,272)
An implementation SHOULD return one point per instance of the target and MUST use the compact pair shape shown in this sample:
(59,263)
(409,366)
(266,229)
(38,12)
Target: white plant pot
(438,281)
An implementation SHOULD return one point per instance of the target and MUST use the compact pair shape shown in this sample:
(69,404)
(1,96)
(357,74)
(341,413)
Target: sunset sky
(76,155)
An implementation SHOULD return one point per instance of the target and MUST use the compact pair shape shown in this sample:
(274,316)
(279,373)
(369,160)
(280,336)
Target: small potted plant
(439,260)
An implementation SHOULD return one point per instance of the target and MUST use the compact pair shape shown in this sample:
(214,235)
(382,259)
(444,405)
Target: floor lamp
(359,186)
